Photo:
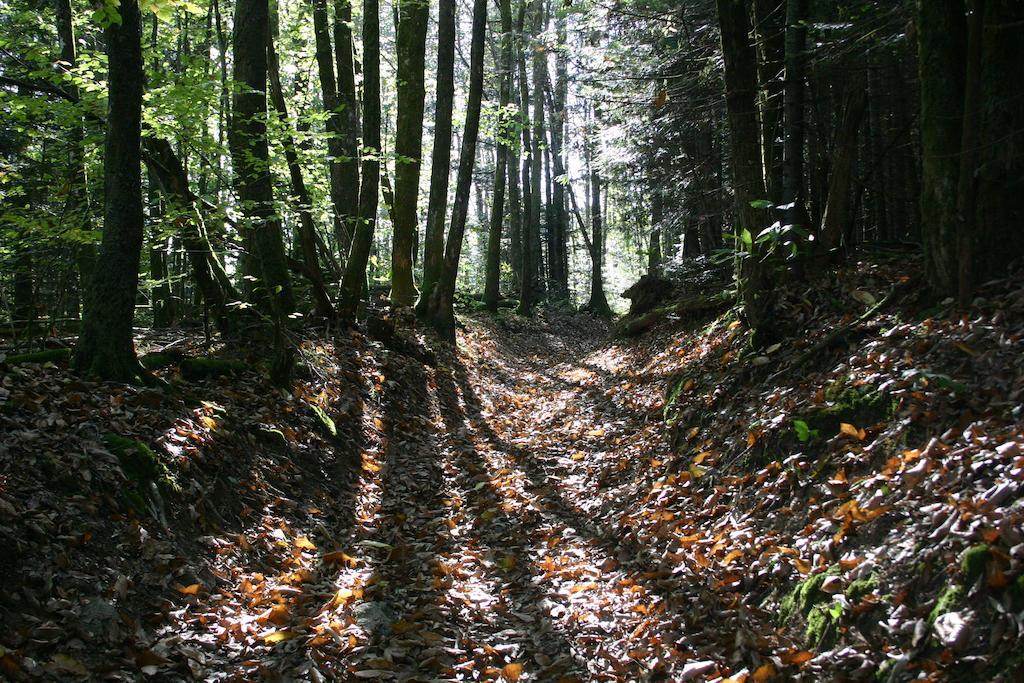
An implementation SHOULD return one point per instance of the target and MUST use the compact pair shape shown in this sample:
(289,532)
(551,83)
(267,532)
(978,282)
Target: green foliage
(327,425)
(803,431)
(861,587)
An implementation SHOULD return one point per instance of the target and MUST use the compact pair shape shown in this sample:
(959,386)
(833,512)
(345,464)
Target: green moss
(948,599)
(805,595)
(859,406)
(57,356)
(861,587)
(326,423)
(141,467)
(973,561)
(159,361)
(194,369)
(821,623)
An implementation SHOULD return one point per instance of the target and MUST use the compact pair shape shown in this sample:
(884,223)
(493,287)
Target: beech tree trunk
(492,274)
(441,311)
(355,268)
(440,161)
(105,347)
(410,44)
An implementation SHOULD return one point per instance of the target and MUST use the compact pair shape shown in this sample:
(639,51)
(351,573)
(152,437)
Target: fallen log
(631,326)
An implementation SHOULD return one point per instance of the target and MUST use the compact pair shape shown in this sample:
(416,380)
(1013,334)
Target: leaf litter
(543,505)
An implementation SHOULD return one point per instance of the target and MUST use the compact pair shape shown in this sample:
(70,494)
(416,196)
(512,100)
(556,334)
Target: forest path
(498,552)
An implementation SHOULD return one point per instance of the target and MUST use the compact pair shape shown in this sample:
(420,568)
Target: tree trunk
(441,311)
(355,268)
(250,153)
(440,162)
(527,265)
(106,347)
(348,105)
(410,44)
(835,223)
(747,178)
(304,204)
(941,32)
(539,64)
(771,37)
(1000,155)
(598,303)
(492,275)
(793,114)
(654,248)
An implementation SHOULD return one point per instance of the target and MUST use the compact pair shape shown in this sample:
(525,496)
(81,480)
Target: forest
(531,340)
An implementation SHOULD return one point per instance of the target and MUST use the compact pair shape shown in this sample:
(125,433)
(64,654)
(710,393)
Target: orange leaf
(303,543)
(191,589)
(851,431)
(798,657)
(765,672)
(339,558)
(512,672)
(272,637)
(732,555)
(802,566)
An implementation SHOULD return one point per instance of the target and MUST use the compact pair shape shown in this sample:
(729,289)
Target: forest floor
(544,504)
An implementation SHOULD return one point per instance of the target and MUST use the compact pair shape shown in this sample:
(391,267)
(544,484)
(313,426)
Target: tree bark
(837,216)
(250,154)
(355,268)
(106,348)
(941,31)
(441,311)
(747,178)
(440,160)
(793,114)
(410,44)
(492,275)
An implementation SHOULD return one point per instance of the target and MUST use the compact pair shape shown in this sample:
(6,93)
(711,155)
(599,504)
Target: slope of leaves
(541,505)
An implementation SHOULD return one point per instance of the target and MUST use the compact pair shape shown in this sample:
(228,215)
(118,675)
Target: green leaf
(762,204)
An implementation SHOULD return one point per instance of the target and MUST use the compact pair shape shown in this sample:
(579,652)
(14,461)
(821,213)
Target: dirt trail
(506,471)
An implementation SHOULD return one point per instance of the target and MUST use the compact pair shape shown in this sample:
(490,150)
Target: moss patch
(57,356)
(141,467)
(948,599)
(159,361)
(973,561)
(194,369)
(861,587)
(859,406)
(805,595)
(821,624)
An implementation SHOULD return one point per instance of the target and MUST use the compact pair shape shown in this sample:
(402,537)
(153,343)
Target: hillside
(545,504)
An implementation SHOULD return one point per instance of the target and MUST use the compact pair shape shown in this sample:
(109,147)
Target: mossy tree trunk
(106,348)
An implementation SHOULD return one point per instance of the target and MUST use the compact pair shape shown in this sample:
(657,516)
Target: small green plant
(803,431)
